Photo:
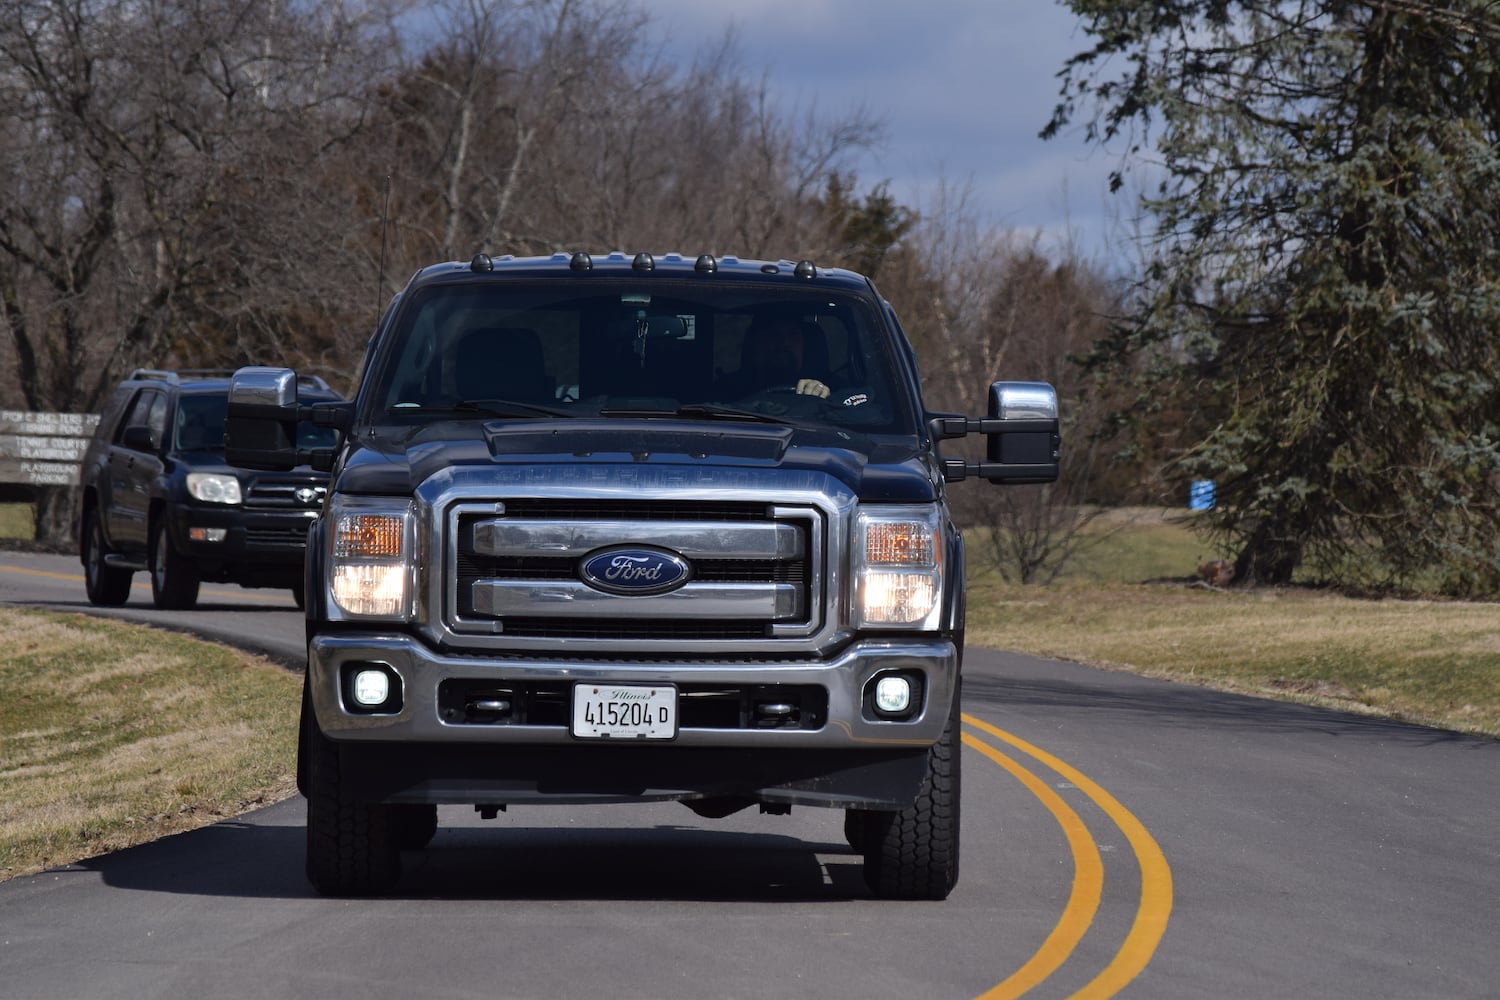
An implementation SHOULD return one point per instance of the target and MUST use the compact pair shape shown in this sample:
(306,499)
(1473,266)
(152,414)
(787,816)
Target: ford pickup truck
(625,527)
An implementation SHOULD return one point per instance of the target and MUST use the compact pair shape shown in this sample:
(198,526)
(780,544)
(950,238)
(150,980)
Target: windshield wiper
(710,411)
(487,408)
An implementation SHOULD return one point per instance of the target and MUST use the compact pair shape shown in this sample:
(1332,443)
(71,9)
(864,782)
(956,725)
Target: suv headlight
(213,487)
(371,558)
(897,567)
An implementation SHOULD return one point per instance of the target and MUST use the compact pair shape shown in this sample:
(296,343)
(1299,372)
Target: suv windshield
(200,426)
(607,347)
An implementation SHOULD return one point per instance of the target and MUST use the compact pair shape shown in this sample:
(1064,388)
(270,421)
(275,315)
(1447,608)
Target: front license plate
(624,711)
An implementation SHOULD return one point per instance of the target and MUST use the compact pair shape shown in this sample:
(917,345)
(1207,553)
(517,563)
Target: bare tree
(981,304)
(128,128)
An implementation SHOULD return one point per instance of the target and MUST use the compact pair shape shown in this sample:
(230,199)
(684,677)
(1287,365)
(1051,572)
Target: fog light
(207,534)
(892,695)
(372,687)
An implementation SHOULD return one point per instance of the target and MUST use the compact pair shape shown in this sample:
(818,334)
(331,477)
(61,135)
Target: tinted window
(606,346)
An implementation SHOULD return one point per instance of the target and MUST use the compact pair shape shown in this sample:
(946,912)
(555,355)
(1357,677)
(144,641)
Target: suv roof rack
(180,375)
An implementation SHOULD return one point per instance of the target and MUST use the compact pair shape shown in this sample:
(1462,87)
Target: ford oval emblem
(633,570)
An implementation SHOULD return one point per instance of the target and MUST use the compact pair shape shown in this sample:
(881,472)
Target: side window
(137,412)
(156,418)
(149,410)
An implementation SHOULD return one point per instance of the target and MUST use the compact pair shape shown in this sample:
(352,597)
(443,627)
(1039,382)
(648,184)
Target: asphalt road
(1122,836)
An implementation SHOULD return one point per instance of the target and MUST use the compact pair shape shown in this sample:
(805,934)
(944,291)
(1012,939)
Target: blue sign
(1201,495)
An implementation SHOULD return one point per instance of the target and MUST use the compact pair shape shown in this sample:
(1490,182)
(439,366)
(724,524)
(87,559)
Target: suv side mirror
(138,437)
(1025,444)
(260,429)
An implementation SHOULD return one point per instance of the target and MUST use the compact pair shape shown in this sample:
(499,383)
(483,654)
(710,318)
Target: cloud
(963,88)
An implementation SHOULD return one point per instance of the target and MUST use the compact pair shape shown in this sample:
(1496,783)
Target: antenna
(385,210)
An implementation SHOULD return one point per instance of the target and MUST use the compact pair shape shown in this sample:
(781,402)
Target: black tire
(107,586)
(913,854)
(352,847)
(414,825)
(174,580)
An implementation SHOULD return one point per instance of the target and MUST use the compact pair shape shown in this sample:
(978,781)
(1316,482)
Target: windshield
(605,347)
(200,426)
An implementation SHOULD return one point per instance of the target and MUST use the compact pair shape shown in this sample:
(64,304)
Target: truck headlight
(898,567)
(371,564)
(213,487)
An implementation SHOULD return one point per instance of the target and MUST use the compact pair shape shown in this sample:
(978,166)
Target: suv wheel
(174,580)
(107,586)
(913,854)
(353,848)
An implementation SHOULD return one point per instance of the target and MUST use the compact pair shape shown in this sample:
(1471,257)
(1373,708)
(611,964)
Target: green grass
(15,521)
(114,734)
(1140,544)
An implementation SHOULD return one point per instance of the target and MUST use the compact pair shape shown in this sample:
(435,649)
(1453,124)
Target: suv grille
(295,496)
(751,569)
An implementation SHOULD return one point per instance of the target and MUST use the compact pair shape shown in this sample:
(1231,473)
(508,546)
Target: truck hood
(878,468)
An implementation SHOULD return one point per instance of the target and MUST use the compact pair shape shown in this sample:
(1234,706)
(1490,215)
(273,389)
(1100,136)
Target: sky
(962,88)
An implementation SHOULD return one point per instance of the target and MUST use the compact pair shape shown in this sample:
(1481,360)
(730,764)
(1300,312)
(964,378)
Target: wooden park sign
(43,449)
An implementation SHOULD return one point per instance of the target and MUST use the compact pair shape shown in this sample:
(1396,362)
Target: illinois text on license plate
(625,711)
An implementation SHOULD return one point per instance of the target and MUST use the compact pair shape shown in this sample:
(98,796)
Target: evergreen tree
(1323,281)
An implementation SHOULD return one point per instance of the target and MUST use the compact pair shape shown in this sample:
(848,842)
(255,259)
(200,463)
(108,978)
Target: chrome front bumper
(421,671)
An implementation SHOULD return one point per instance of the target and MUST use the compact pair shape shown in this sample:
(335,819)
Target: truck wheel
(174,580)
(351,846)
(106,585)
(913,854)
(414,825)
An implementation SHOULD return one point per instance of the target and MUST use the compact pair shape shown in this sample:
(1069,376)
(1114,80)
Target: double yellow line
(1155,902)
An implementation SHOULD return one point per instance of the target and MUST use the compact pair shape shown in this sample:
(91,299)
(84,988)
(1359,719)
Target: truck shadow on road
(251,860)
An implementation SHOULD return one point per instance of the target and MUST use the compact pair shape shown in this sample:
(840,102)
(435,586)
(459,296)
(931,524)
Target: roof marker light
(806,269)
(643,262)
(581,262)
(705,264)
(481,262)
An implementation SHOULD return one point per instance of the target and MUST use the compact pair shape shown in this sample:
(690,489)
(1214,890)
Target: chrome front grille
(753,569)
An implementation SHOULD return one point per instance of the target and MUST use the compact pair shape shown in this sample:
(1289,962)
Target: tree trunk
(1270,556)
(53,515)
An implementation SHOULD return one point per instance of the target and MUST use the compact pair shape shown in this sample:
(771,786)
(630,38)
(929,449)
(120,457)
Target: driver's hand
(811,387)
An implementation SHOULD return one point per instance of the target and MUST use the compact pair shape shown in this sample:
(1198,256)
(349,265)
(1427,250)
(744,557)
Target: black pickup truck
(623,528)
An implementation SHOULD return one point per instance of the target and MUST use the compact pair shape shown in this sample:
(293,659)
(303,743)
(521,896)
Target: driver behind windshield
(776,357)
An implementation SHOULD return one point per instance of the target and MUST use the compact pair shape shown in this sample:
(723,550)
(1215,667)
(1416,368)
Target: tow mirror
(260,431)
(1025,443)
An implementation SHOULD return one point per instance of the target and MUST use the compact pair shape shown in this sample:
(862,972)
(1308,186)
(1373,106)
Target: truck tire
(106,585)
(174,580)
(913,854)
(352,848)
